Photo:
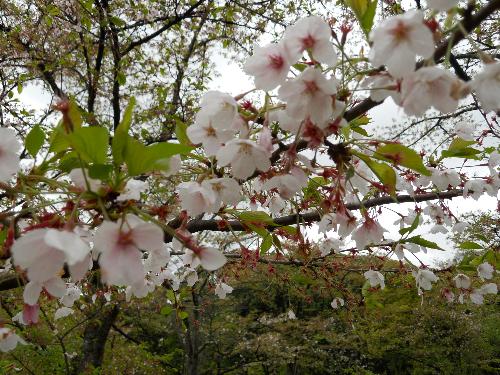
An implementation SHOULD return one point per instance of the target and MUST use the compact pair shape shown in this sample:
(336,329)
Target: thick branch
(311,217)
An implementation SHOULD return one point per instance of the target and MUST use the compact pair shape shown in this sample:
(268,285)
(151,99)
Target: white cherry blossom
(211,136)
(309,95)
(9,340)
(54,286)
(464,130)
(337,303)
(63,312)
(430,87)
(244,156)
(313,34)
(369,232)
(132,190)
(226,190)
(398,40)
(196,198)
(424,279)
(287,185)
(222,290)
(119,246)
(210,258)
(9,147)
(375,278)
(462,281)
(485,271)
(43,252)
(269,66)
(330,244)
(444,178)
(477,295)
(486,84)
(217,108)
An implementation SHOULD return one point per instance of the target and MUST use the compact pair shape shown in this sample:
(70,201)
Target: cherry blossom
(430,87)
(53,249)
(443,179)
(337,303)
(133,190)
(311,34)
(381,86)
(330,244)
(210,135)
(63,312)
(375,278)
(397,42)
(244,156)
(309,95)
(462,281)
(226,190)
(485,271)
(9,339)
(424,279)
(269,65)
(487,87)
(119,247)
(9,147)
(477,295)
(54,286)
(222,290)
(369,232)
(196,198)
(210,258)
(218,109)
(287,185)
(464,130)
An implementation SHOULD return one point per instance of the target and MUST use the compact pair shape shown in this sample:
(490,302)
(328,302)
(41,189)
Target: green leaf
(120,139)
(469,245)
(91,143)
(34,140)
(58,140)
(423,242)
(141,159)
(366,20)
(121,78)
(180,132)
(412,227)
(100,172)
(171,295)
(266,244)
(459,148)
(365,13)
(75,115)
(256,217)
(402,155)
(69,162)
(384,172)
(166,310)
(183,315)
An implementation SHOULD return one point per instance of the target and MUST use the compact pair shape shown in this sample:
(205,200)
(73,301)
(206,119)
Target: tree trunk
(94,340)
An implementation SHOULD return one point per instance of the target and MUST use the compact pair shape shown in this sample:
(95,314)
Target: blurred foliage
(390,331)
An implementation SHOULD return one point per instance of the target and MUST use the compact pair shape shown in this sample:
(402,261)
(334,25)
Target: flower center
(125,238)
(400,32)
(276,62)
(211,131)
(308,42)
(311,87)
